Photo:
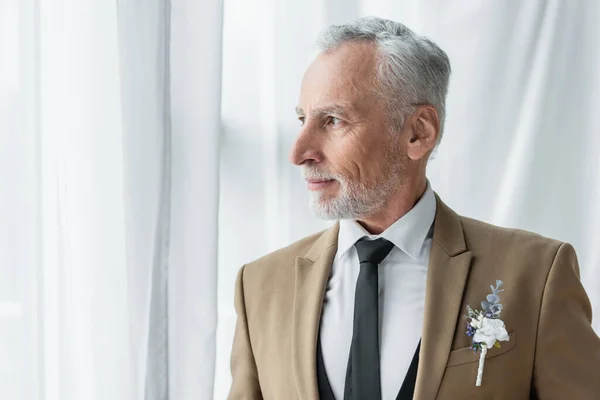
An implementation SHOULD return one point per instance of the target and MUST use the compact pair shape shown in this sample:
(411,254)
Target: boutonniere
(485,327)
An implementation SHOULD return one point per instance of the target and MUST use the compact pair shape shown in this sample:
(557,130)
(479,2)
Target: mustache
(313,173)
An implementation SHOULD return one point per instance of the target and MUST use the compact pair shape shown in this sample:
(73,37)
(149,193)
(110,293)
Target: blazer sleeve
(567,358)
(244,374)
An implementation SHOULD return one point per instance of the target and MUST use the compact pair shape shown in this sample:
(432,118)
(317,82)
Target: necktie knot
(373,251)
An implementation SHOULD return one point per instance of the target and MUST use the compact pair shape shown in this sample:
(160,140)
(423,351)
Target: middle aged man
(373,307)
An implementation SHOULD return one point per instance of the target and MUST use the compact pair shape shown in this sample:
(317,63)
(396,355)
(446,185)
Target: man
(374,306)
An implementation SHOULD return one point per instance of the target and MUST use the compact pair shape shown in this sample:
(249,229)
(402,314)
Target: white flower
(490,331)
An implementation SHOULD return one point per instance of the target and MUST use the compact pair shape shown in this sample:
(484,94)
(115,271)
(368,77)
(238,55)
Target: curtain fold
(195,92)
(84,308)
(144,39)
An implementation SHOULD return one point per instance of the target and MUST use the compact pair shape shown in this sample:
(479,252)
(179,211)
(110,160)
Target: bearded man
(373,308)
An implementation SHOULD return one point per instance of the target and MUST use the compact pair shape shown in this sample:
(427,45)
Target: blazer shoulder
(479,234)
(283,257)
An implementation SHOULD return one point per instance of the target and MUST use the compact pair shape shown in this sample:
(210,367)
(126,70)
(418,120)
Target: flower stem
(484,350)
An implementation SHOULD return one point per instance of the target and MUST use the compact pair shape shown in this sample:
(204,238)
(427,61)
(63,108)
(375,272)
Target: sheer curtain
(520,139)
(116,134)
(109,126)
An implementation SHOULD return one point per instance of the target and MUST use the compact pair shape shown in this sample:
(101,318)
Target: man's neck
(395,208)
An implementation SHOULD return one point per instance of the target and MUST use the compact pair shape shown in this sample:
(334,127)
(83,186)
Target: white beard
(353,201)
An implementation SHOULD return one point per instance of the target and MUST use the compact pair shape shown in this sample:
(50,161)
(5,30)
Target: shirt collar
(408,233)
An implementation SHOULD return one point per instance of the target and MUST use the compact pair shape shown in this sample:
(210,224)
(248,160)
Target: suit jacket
(553,353)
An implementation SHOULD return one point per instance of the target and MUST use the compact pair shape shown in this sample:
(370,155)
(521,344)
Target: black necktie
(362,374)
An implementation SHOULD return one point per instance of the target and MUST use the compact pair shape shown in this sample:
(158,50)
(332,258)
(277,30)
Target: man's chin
(324,214)
(328,209)
(340,207)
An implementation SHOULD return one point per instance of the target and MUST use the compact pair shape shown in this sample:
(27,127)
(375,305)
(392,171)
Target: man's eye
(301,119)
(334,121)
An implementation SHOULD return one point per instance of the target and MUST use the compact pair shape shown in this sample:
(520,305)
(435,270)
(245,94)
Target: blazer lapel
(312,274)
(449,264)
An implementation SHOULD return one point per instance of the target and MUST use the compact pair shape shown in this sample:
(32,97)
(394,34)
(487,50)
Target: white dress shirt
(402,276)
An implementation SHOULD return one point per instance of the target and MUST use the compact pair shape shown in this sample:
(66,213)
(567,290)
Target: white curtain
(109,127)
(120,120)
(521,138)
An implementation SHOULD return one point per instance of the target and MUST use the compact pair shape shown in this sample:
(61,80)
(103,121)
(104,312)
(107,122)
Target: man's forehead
(351,99)
(339,79)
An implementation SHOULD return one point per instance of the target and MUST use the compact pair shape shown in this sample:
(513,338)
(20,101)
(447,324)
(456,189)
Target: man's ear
(422,138)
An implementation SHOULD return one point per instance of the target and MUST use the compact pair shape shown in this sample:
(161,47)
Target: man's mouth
(317,184)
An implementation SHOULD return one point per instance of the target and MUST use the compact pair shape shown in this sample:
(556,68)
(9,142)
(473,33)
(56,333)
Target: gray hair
(412,70)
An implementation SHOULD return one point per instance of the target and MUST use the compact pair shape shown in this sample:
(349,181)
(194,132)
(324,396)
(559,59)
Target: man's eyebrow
(337,109)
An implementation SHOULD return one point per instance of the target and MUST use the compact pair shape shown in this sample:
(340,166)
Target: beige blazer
(552,349)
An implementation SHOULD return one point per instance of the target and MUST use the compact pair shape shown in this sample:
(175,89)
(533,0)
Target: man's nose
(306,148)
